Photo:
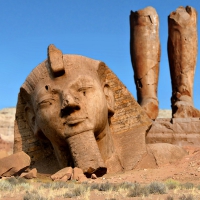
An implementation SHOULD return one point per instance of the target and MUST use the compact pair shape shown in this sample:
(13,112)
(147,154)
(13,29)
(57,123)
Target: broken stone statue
(78,107)
(182,53)
(145,56)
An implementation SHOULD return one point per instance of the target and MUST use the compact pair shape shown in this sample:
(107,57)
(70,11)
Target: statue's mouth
(73,121)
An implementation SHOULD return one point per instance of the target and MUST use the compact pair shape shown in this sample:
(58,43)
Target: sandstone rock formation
(30,174)
(145,56)
(7,117)
(72,112)
(178,131)
(14,164)
(164,113)
(182,53)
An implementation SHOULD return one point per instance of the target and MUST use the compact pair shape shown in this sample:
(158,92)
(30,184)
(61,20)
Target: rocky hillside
(165,114)
(7,117)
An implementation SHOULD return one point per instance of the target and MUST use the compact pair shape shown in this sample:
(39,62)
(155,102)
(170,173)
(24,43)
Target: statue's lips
(73,121)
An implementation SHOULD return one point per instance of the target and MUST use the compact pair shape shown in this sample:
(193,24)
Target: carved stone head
(66,96)
(67,102)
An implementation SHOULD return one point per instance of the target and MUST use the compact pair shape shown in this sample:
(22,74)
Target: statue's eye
(46,102)
(83,90)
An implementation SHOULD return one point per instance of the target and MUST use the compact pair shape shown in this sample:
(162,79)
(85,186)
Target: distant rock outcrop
(165,114)
(7,117)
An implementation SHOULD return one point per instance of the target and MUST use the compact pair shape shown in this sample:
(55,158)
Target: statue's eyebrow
(83,82)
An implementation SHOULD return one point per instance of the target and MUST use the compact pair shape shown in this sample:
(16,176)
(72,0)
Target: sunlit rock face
(182,53)
(84,111)
(7,117)
(145,57)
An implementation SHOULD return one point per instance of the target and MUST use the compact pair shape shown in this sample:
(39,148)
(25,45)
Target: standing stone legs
(145,56)
(182,53)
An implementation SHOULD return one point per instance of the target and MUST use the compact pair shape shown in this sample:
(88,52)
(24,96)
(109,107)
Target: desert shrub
(138,190)
(198,187)
(184,197)
(125,185)
(33,196)
(111,199)
(170,198)
(105,186)
(22,180)
(95,186)
(56,185)
(157,188)
(68,195)
(5,186)
(187,185)
(78,191)
(12,181)
(172,184)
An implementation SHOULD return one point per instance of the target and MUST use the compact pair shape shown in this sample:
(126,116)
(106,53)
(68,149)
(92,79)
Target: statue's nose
(69,104)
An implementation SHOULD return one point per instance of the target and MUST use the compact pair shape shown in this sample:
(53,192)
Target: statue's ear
(110,99)
(30,118)
(28,111)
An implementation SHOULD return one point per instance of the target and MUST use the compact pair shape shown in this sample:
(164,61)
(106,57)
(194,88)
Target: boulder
(165,153)
(63,174)
(14,164)
(31,174)
(79,175)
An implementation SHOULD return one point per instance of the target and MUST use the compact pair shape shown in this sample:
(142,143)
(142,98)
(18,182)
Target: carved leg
(182,53)
(86,154)
(145,56)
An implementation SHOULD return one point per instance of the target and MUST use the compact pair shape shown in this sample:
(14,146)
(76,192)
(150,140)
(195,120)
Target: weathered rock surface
(182,53)
(7,117)
(79,126)
(165,113)
(179,131)
(166,153)
(30,174)
(14,164)
(66,173)
(145,56)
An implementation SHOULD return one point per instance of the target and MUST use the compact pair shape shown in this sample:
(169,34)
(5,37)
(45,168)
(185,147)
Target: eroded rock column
(182,54)
(145,56)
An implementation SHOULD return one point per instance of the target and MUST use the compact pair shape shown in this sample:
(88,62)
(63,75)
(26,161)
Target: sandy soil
(186,170)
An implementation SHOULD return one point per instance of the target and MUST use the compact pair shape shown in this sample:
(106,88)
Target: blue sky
(96,29)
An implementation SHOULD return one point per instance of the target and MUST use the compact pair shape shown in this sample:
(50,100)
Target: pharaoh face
(70,104)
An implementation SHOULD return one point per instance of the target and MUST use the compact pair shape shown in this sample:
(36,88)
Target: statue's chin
(77,129)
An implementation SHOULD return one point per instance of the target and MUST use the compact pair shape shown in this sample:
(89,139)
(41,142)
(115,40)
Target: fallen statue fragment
(15,164)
